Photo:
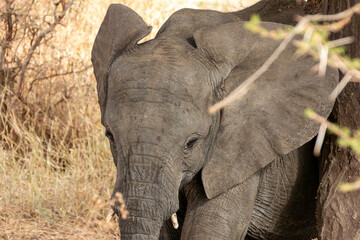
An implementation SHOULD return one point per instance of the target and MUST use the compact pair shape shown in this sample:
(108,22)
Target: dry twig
(37,42)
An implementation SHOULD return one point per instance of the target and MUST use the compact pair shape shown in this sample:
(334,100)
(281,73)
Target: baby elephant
(246,171)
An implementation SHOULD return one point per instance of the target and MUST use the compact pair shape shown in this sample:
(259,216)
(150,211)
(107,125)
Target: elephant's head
(154,100)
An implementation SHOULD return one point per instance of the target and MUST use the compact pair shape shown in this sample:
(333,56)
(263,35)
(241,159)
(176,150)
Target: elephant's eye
(109,135)
(191,143)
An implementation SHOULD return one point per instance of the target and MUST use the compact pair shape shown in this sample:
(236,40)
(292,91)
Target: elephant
(246,171)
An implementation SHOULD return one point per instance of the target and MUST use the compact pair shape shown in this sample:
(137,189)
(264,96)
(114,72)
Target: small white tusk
(110,214)
(174,221)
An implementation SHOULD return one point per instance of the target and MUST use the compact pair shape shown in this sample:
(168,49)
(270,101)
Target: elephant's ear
(121,29)
(269,120)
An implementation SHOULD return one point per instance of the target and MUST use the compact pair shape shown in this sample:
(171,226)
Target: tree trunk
(338,214)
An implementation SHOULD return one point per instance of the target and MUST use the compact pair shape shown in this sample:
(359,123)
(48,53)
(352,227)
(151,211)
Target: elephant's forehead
(157,82)
(136,119)
(158,87)
(159,65)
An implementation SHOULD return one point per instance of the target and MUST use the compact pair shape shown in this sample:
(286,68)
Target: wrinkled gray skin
(242,171)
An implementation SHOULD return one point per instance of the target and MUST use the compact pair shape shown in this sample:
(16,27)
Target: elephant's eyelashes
(191,143)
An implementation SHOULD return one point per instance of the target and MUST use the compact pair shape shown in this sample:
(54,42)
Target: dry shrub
(54,158)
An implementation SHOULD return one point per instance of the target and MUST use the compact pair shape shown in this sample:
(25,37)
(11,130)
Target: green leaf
(308,112)
(338,50)
(255,18)
(343,142)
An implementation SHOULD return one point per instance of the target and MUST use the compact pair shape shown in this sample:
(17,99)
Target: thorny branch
(331,126)
(39,39)
(344,18)
(57,75)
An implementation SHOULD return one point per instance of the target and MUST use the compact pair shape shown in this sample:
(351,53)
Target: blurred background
(56,169)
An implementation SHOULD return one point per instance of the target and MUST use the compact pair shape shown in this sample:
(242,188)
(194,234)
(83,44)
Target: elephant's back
(285,204)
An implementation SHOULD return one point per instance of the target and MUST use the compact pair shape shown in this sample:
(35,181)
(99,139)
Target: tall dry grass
(56,170)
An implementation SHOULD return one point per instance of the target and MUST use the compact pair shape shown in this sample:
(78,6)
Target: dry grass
(56,170)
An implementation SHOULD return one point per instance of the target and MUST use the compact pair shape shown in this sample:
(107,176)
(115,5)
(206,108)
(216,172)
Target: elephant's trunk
(143,221)
(149,195)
